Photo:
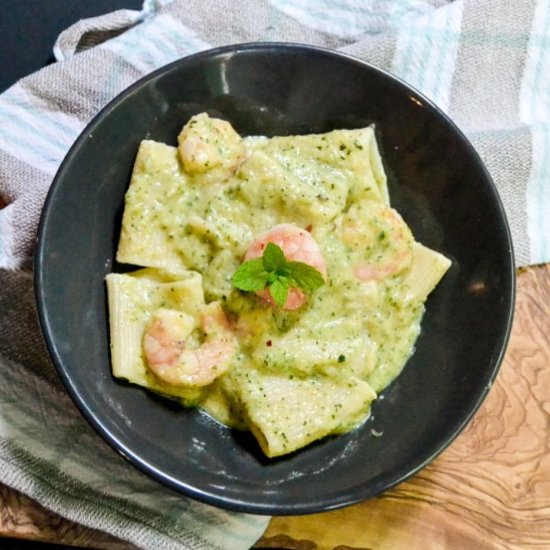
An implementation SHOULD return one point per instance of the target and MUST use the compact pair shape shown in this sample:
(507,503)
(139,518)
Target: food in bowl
(279,291)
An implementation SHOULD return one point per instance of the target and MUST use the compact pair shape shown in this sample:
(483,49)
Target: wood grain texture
(21,517)
(490,490)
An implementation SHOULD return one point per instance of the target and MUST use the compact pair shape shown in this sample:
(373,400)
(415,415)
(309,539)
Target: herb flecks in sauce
(190,216)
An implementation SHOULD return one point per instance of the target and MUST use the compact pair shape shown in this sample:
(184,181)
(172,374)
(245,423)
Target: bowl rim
(186,487)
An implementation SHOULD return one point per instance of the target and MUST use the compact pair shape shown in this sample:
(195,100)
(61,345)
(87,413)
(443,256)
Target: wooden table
(490,490)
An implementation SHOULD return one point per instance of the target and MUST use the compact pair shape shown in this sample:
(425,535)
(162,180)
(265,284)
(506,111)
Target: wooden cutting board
(490,490)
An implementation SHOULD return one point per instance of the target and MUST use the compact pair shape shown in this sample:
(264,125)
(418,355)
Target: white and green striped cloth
(484,62)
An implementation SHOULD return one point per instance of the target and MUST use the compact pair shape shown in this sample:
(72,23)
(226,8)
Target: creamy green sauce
(350,330)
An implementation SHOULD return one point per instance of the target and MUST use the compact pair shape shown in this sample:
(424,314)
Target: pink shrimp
(170,358)
(299,246)
(378,240)
(205,143)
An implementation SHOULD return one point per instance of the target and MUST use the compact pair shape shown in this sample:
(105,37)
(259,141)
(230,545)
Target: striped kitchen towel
(484,62)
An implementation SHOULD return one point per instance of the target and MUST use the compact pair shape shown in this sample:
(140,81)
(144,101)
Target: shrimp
(378,241)
(205,143)
(298,245)
(170,357)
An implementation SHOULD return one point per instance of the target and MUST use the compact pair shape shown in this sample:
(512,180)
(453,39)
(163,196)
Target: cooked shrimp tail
(171,355)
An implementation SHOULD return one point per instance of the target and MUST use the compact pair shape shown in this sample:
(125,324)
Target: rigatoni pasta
(280,291)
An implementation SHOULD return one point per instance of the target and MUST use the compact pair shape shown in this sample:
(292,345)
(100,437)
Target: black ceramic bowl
(436,181)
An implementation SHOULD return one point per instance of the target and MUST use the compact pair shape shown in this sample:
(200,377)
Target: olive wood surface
(490,490)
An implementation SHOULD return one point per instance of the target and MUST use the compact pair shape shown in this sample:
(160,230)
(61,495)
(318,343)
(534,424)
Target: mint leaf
(279,290)
(274,272)
(251,276)
(305,276)
(273,258)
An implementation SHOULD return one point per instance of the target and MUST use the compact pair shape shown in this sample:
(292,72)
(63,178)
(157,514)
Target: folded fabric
(484,62)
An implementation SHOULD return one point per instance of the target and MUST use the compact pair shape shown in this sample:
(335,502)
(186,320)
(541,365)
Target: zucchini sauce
(279,291)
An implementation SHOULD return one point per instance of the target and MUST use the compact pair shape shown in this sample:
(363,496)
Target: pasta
(291,361)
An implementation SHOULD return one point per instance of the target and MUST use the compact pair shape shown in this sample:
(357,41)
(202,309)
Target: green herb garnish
(273,271)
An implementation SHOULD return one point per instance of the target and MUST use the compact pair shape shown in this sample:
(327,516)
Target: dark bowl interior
(436,181)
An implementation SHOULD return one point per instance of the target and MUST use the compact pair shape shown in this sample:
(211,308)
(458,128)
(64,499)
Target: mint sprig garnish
(251,276)
(273,271)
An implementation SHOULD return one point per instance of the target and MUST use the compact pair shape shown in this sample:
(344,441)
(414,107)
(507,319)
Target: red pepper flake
(309,228)
(269,343)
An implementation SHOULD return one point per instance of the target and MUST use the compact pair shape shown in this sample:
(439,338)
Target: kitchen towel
(484,62)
